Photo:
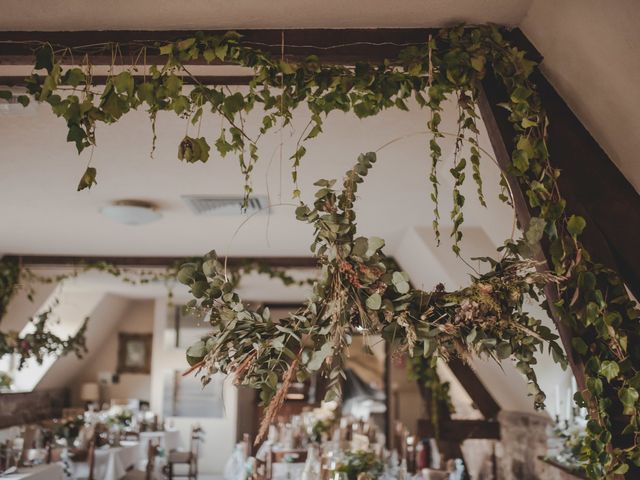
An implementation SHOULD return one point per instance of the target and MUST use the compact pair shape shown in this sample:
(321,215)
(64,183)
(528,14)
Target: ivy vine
(590,300)
(39,341)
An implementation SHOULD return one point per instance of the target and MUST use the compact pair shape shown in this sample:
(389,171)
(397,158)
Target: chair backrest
(72,412)
(91,456)
(194,445)
(130,435)
(30,434)
(152,452)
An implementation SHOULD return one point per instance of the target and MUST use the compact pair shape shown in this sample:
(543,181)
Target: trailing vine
(589,299)
(362,290)
(39,341)
(425,373)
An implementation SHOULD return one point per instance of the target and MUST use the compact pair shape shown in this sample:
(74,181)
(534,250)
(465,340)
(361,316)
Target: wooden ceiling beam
(151,262)
(337,46)
(478,393)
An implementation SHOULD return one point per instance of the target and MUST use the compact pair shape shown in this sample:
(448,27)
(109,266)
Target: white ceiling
(43,214)
(591,55)
(213,14)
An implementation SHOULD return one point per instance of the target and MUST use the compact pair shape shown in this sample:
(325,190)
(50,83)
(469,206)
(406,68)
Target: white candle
(569,406)
(557,392)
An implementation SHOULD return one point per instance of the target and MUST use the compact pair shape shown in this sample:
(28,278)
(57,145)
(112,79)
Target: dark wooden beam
(53,261)
(460,430)
(340,46)
(590,183)
(479,394)
(19,81)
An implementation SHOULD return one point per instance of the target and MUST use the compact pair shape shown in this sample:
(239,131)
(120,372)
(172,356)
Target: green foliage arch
(589,300)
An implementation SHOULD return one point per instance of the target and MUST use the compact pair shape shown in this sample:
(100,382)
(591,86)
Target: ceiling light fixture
(131,212)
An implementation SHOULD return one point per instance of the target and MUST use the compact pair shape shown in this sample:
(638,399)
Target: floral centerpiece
(68,429)
(119,416)
(5,381)
(321,420)
(568,442)
(361,465)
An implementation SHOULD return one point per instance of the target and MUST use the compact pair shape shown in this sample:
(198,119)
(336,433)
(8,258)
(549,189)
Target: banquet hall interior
(266,240)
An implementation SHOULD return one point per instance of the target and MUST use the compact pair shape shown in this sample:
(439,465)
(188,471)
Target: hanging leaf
(88,179)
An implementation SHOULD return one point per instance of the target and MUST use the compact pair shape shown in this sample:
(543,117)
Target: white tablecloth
(53,471)
(286,471)
(110,463)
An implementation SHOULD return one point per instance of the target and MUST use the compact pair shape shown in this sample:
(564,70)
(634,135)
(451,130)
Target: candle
(569,406)
(557,392)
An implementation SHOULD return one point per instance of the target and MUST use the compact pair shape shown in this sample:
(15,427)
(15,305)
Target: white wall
(220,433)
(137,318)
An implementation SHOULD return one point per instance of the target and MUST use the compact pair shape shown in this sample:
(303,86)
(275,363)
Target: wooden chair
(188,458)
(147,474)
(72,412)
(90,456)
(130,435)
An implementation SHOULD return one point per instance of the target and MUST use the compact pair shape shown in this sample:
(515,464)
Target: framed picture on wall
(134,353)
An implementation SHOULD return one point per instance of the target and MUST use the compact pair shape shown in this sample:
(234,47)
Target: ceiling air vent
(223,205)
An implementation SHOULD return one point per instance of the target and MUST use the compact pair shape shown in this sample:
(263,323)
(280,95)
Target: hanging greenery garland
(361,290)
(39,342)
(590,300)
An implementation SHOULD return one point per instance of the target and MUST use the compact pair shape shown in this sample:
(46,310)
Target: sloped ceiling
(104,317)
(591,55)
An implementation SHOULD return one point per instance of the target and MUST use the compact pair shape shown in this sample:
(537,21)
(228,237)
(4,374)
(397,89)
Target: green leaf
(24,100)
(579,345)
(233,103)
(374,302)
(575,225)
(196,352)
(375,244)
(535,230)
(609,370)
(360,247)
(319,356)
(478,63)
(209,55)
(621,469)
(73,77)
(44,58)
(166,49)
(173,84)
(221,51)
(88,179)
(503,350)
(123,82)
(287,68)
(629,398)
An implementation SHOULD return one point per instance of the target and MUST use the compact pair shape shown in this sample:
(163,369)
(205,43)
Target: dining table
(51,471)
(111,462)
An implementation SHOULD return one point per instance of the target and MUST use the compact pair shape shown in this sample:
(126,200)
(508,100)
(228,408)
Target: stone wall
(523,442)
(29,407)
